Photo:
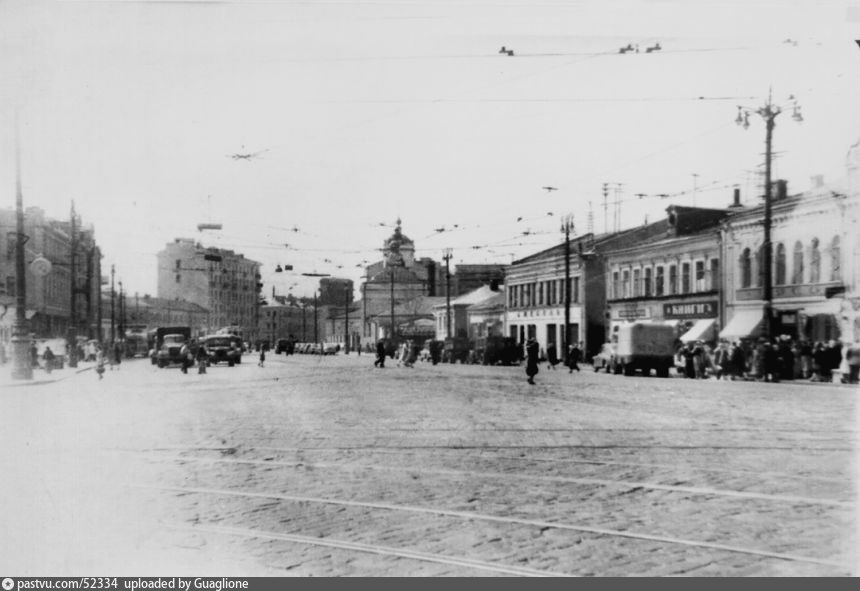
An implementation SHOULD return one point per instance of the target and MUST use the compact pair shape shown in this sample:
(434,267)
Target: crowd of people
(783,358)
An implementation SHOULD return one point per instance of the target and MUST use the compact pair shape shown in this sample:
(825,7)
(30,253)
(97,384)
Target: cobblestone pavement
(329,467)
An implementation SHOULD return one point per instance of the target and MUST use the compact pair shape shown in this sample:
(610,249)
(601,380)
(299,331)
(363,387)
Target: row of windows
(665,280)
(542,293)
(799,256)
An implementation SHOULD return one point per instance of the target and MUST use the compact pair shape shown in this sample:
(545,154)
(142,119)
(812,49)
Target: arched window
(835,260)
(746,268)
(797,267)
(780,264)
(814,262)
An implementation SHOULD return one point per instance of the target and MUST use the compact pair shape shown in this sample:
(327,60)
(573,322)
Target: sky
(357,113)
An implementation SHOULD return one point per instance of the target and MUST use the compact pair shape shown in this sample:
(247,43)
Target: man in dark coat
(738,361)
(552,355)
(380,354)
(532,354)
(574,356)
(772,363)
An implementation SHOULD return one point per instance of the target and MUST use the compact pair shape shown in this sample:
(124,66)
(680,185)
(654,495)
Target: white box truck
(643,346)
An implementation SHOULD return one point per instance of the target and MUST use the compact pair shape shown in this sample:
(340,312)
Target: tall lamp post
(22,368)
(768,112)
(73,299)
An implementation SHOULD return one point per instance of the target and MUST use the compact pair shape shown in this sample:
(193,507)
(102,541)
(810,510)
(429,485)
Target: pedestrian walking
(34,356)
(699,362)
(772,363)
(723,361)
(185,356)
(380,354)
(532,353)
(574,356)
(262,356)
(552,355)
(413,350)
(853,358)
(48,358)
(202,359)
(117,353)
(100,363)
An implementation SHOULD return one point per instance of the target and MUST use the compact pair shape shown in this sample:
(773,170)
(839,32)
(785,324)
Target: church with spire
(402,287)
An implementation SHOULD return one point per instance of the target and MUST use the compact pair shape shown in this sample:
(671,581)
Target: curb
(42,382)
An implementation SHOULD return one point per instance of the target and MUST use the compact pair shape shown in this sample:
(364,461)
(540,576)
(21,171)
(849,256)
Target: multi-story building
(535,290)
(49,296)
(674,277)
(222,281)
(815,263)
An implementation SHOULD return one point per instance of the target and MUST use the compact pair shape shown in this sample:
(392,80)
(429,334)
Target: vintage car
(606,359)
(494,350)
(456,349)
(222,349)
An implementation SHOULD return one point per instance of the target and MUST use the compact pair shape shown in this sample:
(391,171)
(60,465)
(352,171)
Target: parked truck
(168,344)
(643,346)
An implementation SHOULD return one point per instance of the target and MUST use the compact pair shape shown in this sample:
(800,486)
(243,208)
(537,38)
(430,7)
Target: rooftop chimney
(737,198)
(781,189)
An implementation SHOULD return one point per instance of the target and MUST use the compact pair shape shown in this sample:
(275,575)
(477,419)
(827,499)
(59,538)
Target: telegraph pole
(112,304)
(346,322)
(89,291)
(22,368)
(768,112)
(122,313)
(73,299)
(316,320)
(393,335)
(566,225)
(447,257)
(605,207)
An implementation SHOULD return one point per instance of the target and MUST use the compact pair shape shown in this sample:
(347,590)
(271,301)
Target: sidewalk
(40,377)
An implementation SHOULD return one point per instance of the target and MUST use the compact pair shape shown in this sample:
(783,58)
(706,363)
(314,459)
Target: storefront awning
(744,323)
(702,330)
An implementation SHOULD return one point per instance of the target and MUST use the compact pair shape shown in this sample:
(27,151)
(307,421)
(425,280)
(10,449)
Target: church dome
(399,239)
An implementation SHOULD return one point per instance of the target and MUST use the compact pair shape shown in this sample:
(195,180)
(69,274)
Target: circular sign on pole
(40,266)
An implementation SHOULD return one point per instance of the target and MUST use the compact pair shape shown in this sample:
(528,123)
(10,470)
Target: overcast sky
(360,112)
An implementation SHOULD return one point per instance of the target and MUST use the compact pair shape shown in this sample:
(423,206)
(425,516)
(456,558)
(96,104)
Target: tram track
(370,549)
(503,520)
(630,485)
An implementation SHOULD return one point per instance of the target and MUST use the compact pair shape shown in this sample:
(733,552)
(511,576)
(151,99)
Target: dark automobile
(223,349)
(495,350)
(170,349)
(285,346)
(456,349)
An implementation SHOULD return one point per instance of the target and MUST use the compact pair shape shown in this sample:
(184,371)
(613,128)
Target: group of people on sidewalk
(782,358)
